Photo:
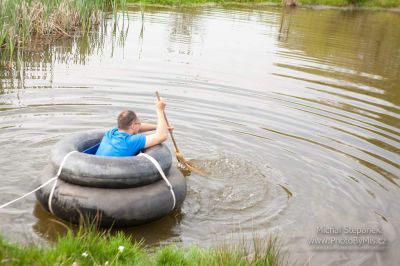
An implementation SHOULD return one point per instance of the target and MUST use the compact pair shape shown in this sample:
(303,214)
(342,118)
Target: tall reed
(21,20)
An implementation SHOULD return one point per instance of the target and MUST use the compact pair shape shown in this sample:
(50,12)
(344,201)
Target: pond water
(294,114)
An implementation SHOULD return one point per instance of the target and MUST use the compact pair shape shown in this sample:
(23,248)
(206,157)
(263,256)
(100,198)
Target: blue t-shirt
(115,143)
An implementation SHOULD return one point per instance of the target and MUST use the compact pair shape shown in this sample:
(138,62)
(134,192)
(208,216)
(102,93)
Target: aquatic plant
(25,21)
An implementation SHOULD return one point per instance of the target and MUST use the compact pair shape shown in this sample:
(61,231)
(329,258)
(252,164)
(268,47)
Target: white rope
(150,158)
(43,185)
(57,175)
(157,165)
(27,194)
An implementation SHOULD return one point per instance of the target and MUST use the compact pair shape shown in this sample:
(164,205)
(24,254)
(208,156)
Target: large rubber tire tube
(114,207)
(106,172)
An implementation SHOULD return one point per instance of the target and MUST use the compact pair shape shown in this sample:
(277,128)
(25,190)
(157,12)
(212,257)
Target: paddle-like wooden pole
(185,163)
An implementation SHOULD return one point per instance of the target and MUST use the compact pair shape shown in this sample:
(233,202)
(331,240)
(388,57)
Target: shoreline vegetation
(24,22)
(93,247)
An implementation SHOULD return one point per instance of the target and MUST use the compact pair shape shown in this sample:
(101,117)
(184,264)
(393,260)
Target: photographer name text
(348,237)
(347,230)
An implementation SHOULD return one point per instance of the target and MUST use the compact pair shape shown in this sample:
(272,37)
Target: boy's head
(128,121)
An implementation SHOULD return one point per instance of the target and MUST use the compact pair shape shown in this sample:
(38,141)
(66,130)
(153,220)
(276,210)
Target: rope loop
(157,165)
(55,178)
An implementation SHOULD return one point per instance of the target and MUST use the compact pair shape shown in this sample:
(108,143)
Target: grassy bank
(335,3)
(93,248)
(21,21)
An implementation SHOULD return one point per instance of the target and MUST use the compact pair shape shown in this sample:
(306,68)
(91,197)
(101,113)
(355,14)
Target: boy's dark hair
(126,118)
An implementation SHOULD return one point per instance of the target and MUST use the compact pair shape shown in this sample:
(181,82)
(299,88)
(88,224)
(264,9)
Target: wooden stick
(170,131)
(178,154)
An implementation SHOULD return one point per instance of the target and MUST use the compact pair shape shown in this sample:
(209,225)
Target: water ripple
(293,114)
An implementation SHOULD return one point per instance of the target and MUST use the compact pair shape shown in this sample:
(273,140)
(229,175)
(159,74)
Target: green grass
(89,247)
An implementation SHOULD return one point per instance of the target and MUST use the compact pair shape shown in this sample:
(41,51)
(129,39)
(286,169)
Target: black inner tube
(106,172)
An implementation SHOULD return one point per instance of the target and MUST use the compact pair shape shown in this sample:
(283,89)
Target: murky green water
(295,114)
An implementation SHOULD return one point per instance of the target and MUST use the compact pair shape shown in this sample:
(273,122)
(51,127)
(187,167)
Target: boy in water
(126,140)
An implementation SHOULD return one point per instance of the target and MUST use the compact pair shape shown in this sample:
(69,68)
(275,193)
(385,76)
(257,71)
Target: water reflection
(154,233)
(38,60)
(359,87)
(284,27)
(333,51)
(184,28)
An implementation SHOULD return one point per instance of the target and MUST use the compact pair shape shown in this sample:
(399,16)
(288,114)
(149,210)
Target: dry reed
(21,20)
